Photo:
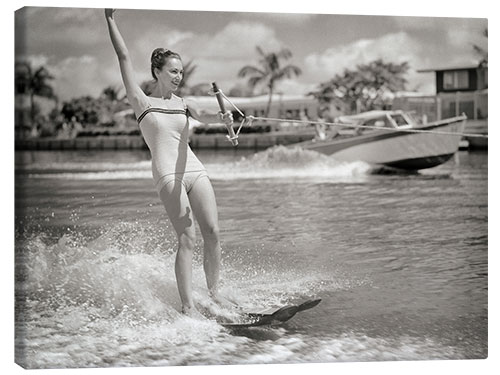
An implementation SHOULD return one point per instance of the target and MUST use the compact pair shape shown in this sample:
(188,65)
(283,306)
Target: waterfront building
(459,89)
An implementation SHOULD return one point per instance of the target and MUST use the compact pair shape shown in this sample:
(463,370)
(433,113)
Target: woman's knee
(211,233)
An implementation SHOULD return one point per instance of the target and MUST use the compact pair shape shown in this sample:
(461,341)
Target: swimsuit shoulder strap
(160,110)
(145,111)
(186,108)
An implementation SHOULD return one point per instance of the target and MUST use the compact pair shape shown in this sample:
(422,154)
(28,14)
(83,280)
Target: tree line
(366,83)
(361,88)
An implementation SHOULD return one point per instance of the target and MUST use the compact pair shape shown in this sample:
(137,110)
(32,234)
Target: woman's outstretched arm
(135,95)
(208,117)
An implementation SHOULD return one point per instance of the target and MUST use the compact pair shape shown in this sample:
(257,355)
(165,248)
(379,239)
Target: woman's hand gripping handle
(226,117)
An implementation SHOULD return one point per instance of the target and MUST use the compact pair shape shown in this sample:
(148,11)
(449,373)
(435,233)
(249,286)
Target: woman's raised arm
(135,95)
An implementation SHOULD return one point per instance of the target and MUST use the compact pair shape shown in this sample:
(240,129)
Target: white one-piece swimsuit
(166,132)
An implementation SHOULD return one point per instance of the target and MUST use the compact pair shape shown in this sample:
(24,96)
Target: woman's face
(171,74)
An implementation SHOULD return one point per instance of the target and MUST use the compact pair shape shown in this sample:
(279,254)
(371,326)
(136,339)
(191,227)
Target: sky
(73,43)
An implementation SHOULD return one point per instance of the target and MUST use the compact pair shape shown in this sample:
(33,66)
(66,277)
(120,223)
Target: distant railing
(445,105)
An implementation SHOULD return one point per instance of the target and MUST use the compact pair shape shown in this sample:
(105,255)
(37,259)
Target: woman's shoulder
(190,101)
(179,98)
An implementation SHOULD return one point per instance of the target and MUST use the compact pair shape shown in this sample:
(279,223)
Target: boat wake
(278,162)
(284,162)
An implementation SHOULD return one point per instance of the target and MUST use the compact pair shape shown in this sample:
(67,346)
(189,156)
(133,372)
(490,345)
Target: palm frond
(250,70)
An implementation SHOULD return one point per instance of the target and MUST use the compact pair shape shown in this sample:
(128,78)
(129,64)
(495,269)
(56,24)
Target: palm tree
(200,89)
(482,52)
(33,83)
(269,71)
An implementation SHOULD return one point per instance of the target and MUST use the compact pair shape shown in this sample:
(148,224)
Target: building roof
(209,102)
(466,65)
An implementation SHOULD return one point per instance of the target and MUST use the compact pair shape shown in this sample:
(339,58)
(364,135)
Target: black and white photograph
(204,186)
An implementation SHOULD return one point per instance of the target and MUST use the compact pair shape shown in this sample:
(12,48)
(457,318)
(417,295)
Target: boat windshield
(381,122)
(399,120)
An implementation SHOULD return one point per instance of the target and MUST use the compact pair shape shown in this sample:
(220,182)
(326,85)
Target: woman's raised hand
(108,12)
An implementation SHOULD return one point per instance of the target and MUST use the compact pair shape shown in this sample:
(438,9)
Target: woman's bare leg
(176,202)
(204,206)
(202,198)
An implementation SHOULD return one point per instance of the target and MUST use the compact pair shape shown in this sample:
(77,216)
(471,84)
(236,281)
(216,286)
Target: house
(462,89)
(459,89)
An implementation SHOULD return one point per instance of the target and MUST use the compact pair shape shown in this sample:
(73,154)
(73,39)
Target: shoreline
(127,142)
(257,141)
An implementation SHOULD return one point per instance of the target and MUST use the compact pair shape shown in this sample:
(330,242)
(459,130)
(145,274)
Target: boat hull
(420,163)
(397,149)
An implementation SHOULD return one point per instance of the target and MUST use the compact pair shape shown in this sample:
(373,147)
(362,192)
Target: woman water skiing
(180,178)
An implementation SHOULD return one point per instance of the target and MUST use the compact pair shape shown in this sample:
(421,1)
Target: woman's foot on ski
(192,312)
(222,301)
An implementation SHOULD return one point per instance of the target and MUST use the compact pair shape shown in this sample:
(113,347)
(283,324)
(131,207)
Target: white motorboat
(390,138)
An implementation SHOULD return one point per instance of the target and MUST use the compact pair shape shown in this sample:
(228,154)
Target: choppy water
(400,261)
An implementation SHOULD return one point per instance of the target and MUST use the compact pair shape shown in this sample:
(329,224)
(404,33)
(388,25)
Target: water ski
(270,316)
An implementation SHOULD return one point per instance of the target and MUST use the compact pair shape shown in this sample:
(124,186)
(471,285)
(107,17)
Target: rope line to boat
(250,119)
(440,132)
